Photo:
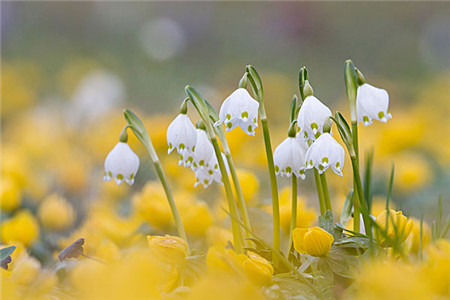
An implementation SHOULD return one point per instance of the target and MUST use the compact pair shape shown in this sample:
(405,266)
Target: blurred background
(68,70)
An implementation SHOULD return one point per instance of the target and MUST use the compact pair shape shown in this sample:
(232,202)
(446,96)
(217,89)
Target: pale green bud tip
(201,125)
(292,129)
(327,125)
(360,76)
(123,138)
(307,89)
(184,107)
(243,81)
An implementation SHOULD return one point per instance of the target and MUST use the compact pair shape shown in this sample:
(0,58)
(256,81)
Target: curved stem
(237,234)
(273,182)
(162,178)
(293,211)
(240,196)
(360,196)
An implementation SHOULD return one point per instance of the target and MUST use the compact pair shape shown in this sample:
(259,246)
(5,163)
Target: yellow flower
(306,216)
(217,236)
(249,184)
(25,270)
(168,249)
(22,227)
(10,194)
(436,270)
(196,217)
(220,259)
(55,213)
(151,204)
(412,171)
(389,280)
(258,269)
(414,238)
(398,228)
(313,241)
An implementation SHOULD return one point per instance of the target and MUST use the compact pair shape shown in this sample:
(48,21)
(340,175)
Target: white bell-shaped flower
(325,152)
(312,117)
(372,103)
(289,157)
(121,164)
(203,151)
(239,109)
(182,136)
(211,173)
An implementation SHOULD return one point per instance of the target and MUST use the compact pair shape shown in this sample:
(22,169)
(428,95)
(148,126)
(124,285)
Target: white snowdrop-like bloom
(239,109)
(212,173)
(289,157)
(372,103)
(203,151)
(121,164)
(182,136)
(312,117)
(325,152)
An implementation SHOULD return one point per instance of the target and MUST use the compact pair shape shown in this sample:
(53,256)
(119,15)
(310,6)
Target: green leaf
(289,287)
(5,252)
(368,179)
(326,222)
(346,212)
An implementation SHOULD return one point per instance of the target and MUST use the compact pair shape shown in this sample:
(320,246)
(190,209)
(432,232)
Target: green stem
(173,207)
(240,197)
(355,138)
(293,211)
(326,194)
(237,234)
(273,183)
(356,210)
(320,192)
(359,200)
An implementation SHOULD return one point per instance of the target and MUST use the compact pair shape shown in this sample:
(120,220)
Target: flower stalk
(256,85)
(138,128)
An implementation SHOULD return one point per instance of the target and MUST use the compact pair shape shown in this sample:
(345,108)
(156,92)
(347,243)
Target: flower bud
(397,228)
(313,241)
(168,249)
(258,269)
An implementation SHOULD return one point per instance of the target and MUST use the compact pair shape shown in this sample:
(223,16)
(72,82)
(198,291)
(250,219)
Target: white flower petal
(372,103)
(312,117)
(121,163)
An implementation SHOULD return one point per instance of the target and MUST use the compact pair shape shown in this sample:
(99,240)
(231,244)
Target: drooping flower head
(203,151)
(325,152)
(312,117)
(182,136)
(239,109)
(372,103)
(121,164)
(289,158)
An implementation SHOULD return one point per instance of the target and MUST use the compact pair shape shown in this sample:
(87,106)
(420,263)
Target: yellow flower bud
(22,227)
(168,249)
(398,227)
(10,194)
(258,269)
(55,213)
(313,241)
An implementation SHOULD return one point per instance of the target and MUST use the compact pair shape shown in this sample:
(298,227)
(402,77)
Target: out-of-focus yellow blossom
(220,259)
(306,216)
(414,238)
(249,184)
(107,251)
(389,280)
(25,280)
(217,236)
(412,172)
(22,227)
(168,249)
(258,269)
(379,205)
(151,204)
(436,271)
(138,275)
(14,166)
(10,195)
(224,286)
(398,227)
(196,217)
(313,241)
(55,213)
